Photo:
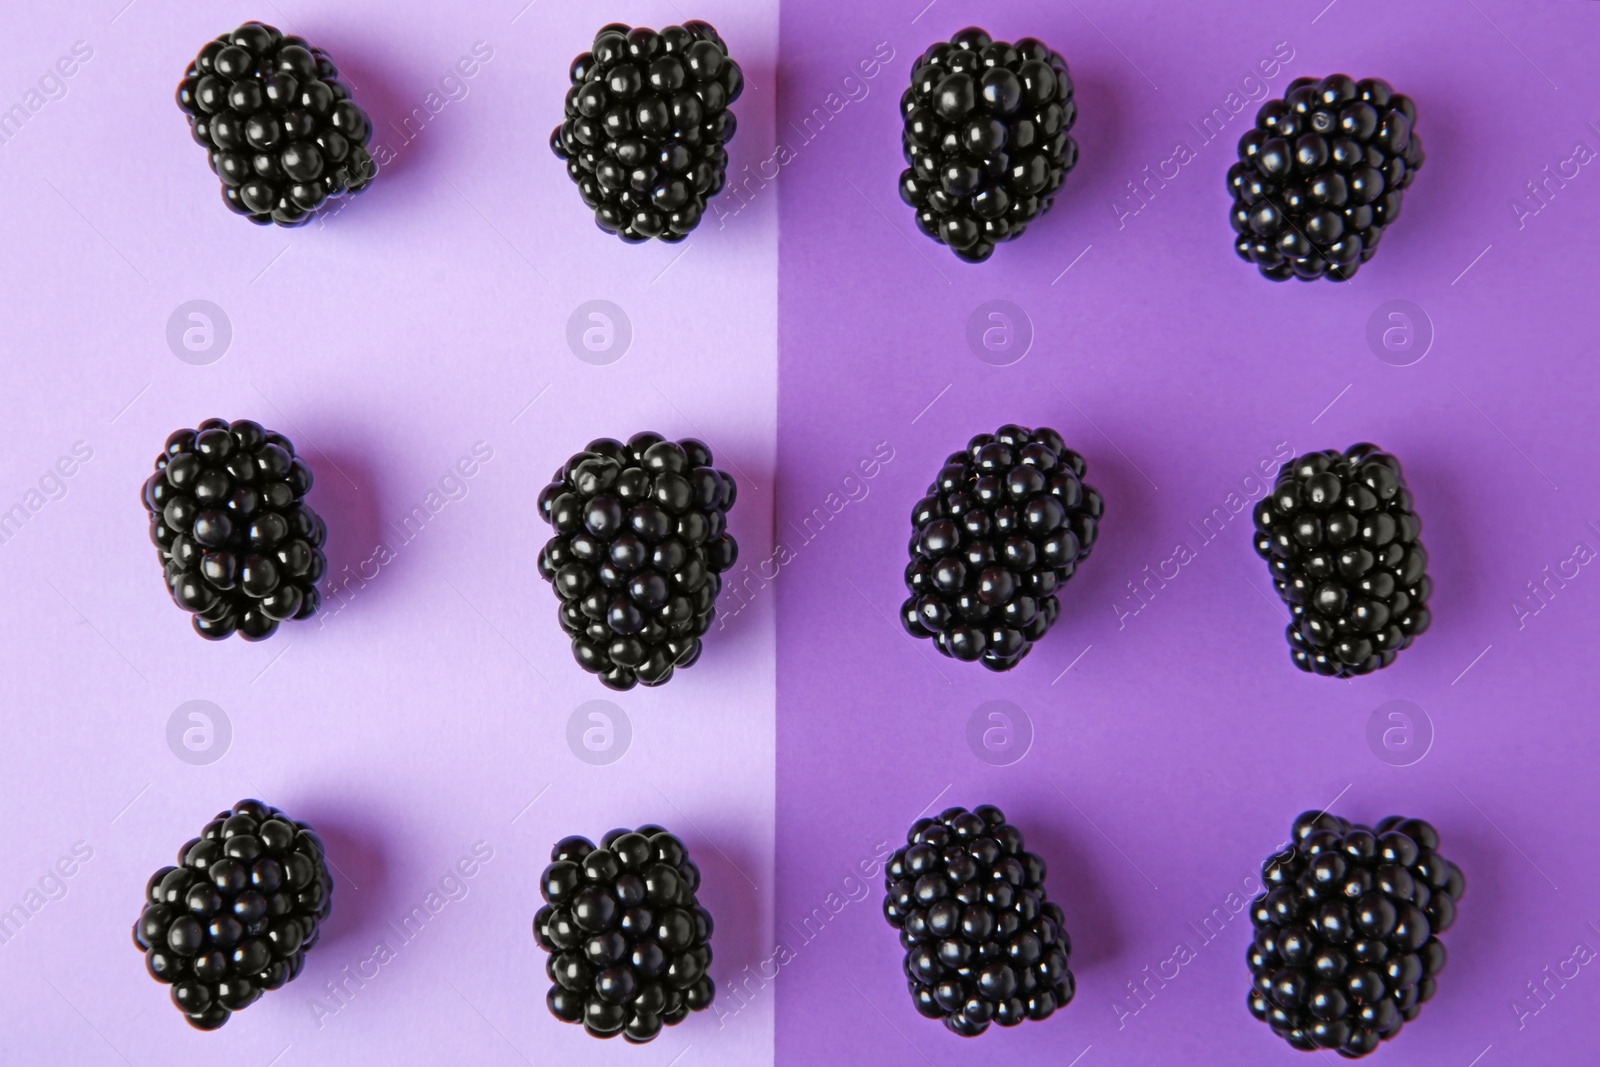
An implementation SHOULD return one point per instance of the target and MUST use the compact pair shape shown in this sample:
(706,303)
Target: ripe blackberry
(278,123)
(1341,539)
(982,943)
(241,548)
(640,544)
(630,946)
(646,121)
(1004,524)
(986,138)
(1320,177)
(238,915)
(1345,951)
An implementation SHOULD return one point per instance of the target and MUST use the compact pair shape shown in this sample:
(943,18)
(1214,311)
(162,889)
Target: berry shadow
(1073,882)
(394,144)
(1100,166)
(1124,542)
(357,855)
(729,877)
(345,495)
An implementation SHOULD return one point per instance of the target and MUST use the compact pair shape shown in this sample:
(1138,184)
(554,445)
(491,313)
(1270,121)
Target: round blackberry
(1004,524)
(238,914)
(278,123)
(629,944)
(241,548)
(1320,177)
(1341,540)
(641,542)
(1345,949)
(982,943)
(646,121)
(986,138)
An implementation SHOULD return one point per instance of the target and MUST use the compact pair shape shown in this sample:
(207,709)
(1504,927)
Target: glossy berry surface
(641,541)
(1004,524)
(1342,542)
(982,943)
(1321,175)
(629,943)
(278,124)
(1346,950)
(646,122)
(986,139)
(241,549)
(238,914)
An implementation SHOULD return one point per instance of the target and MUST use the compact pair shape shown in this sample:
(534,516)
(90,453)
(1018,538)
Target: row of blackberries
(641,541)
(986,139)
(1345,948)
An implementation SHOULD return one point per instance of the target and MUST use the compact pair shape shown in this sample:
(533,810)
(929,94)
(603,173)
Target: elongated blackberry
(641,540)
(645,127)
(1341,540)
(986,138)
(629,943)
(238,914)
(1005,523)
(278,124)
(1320,177)
(1345,949)
(241,549)
(982,943)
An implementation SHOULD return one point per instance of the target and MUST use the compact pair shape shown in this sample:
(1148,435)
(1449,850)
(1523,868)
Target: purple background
(1171,757)
(430,711)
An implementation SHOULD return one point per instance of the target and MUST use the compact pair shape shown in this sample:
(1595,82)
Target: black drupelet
(1342,541)
(629,943)
(1321,175)
(1345,950)
(986,139)
(982,943)
(278,123)
(241,549)
(645,127)
(641,541)
(1004,524)
(236,918)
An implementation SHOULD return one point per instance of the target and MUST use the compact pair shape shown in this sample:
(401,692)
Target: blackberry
(238,914)
(241,548)
(629,944)
(641,540)
(1004,524)
(645,127)
(1345,949)
(278,124)
(982,943)
(986,138)
(1320,177)
(1341,540)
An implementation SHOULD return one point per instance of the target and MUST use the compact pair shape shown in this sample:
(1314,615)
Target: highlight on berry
(646,123)
(629,943)
(985,138)
(982,943)
(1004,524)
(240,548)
(1345,949)
(1342,541)
(1321,176)
(641,542)
(237,915)
(278,124)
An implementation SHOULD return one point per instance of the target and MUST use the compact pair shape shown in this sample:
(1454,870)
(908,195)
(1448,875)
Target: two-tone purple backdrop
(465,316)
(1155,746)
